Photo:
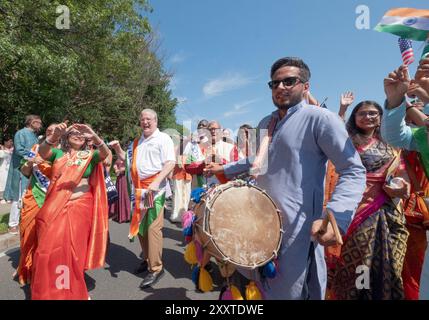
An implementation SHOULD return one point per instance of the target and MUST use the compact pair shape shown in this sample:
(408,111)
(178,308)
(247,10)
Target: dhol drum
(238,223)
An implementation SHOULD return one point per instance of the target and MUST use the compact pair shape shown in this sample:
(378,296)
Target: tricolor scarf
(41,179)
(145,206)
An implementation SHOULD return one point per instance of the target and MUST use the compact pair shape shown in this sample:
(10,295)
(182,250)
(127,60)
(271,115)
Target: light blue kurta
(395,131)
(302,143)
(23,140)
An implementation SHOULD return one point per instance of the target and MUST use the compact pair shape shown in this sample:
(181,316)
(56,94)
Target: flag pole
(425,53)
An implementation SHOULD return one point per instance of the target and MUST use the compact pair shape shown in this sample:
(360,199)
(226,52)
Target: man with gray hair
(16,182)
(149,160)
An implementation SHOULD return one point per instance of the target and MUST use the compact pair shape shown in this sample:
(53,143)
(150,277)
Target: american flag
(406,47)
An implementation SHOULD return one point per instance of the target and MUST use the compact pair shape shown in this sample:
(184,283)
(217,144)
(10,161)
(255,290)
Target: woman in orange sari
(72,225)
(39,173)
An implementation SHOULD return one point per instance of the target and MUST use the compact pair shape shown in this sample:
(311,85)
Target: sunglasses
(288,82)
(76,134)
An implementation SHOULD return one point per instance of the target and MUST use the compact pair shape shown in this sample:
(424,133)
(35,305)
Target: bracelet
(100,144)
(50,143)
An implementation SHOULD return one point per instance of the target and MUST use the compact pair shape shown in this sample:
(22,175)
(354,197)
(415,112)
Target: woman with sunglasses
(369,263)
(72,225)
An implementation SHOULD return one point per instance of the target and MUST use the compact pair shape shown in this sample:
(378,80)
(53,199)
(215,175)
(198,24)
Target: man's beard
(288,105)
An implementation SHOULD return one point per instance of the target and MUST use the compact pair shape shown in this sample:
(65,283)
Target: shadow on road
(167,294)
(14,258)
(119,259)
(174,234)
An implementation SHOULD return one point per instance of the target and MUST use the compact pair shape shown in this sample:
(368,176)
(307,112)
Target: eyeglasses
(370,114)
(288,82)
(76,134)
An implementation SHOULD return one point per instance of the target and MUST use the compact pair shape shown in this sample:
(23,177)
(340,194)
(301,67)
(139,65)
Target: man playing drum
(303,137)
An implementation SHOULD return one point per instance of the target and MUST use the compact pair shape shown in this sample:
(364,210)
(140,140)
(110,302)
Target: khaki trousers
(152,243)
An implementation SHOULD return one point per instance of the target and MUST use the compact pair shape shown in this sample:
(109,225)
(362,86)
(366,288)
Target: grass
(4,220)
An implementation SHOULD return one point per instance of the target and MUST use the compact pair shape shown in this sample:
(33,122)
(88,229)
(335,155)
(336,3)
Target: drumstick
(331,218)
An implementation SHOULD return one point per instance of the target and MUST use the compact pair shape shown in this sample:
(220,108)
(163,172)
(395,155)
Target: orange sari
(71,234)
(27,223)
(27,231)
(415,213)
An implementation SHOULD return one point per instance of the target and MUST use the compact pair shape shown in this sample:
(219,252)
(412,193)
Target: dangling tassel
(252,292)
(198,251)
(195,275)
(190,254)
(205,281)
(187,218)
(225,294)
(236,295)
(188,239)
(196,194)
(269,270)
(187,232)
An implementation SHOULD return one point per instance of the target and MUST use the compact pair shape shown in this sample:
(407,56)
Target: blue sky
(220,52)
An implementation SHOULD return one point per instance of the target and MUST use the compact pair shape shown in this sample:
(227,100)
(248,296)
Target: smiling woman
(73,217)
(378,219)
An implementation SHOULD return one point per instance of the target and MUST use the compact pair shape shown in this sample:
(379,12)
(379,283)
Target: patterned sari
(376,241)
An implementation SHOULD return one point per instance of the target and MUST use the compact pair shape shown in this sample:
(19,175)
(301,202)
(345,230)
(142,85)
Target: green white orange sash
(145,205)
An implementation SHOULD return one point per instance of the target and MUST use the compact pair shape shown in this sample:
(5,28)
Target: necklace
(80,157)
(361,142)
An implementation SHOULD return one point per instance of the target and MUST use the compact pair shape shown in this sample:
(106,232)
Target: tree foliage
(103,70)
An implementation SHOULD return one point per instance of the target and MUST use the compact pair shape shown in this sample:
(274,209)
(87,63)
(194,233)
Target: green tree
(103,70)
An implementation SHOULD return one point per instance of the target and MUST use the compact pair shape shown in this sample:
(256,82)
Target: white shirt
(153,152)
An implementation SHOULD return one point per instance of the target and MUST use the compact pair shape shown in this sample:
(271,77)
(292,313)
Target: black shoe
(143,267)
(151,279)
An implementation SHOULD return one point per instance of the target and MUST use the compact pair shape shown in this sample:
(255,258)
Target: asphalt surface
(117,280)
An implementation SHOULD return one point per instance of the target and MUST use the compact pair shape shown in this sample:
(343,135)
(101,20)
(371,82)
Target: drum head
(245,225)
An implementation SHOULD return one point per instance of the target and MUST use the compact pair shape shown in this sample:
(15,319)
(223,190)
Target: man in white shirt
(150,159)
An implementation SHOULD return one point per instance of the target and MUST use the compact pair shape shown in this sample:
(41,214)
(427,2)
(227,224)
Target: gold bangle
(100,144)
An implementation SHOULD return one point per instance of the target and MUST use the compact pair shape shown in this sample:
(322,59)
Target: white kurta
(5,158)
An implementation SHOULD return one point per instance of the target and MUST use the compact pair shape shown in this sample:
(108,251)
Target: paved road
(116,280)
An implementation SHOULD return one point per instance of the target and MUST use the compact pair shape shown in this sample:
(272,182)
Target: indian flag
(406,23)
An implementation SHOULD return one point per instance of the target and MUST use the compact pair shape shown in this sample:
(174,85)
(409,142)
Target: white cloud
(239,108)
(228,82)
(181,100)
(177,58)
